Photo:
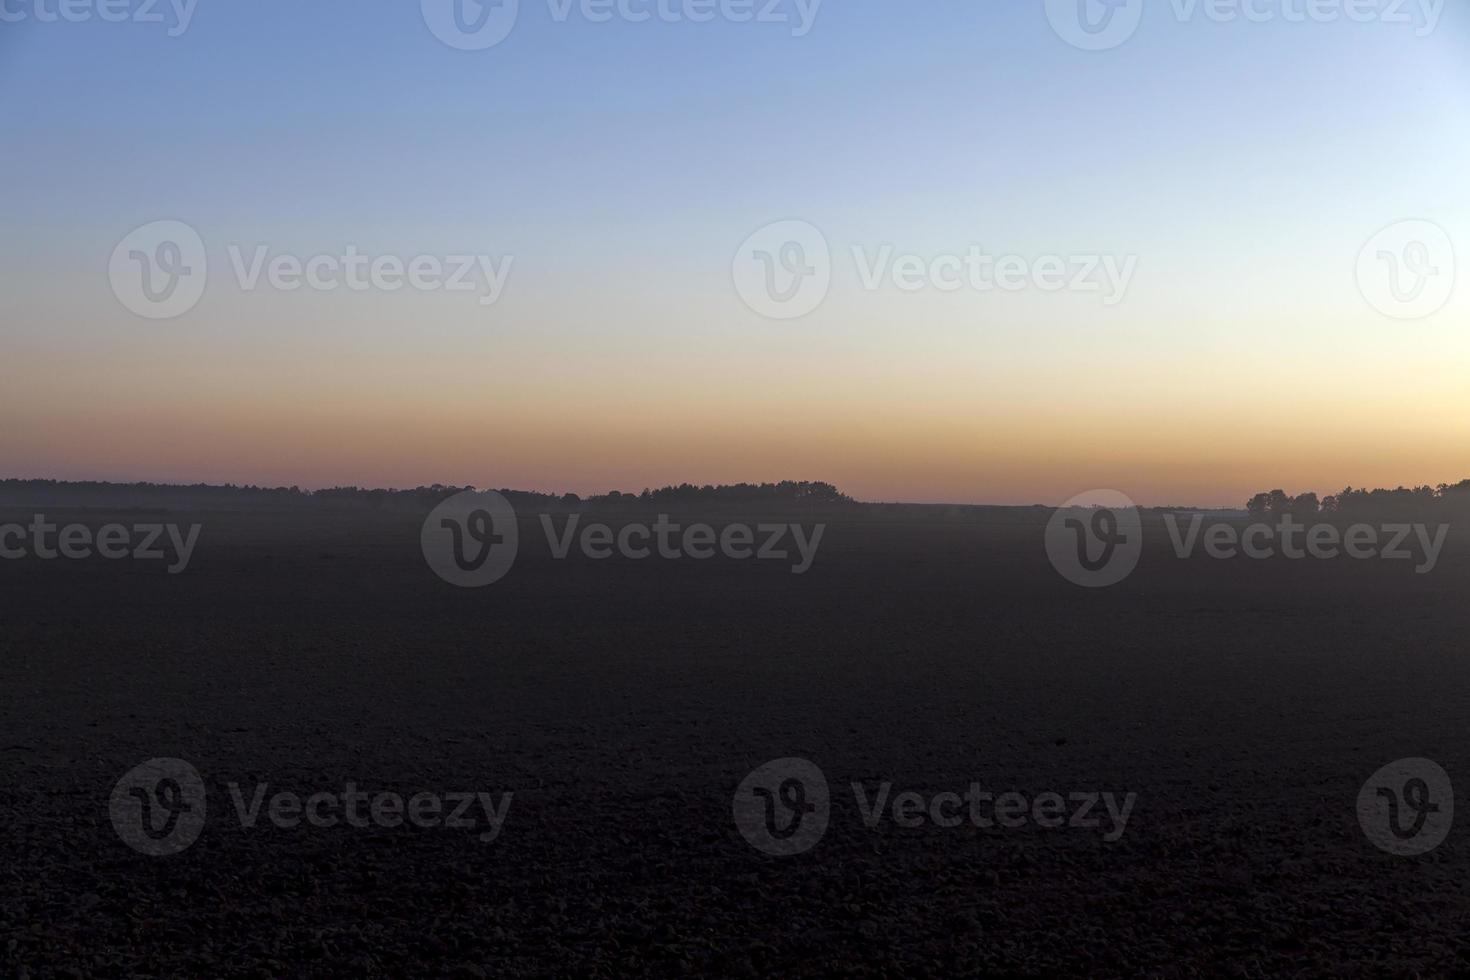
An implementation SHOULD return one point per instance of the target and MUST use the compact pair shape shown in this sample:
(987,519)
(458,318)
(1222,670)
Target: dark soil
(623,702)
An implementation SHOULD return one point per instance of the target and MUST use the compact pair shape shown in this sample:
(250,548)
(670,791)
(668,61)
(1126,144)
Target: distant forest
(1350,503)
(786,494)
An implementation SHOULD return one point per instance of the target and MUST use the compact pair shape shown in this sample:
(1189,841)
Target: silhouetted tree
(1400,503)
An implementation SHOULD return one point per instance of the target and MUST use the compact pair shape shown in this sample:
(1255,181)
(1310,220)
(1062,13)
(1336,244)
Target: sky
(1283,200)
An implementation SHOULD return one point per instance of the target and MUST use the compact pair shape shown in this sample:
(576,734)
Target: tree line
(1351,502)
(686,495)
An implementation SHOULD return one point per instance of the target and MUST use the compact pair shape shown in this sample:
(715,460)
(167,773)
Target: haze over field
(1243,166)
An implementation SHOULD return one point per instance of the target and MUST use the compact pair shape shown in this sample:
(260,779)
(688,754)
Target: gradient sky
(1245,165)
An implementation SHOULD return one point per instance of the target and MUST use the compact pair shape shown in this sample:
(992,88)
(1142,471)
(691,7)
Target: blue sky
(621,164)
